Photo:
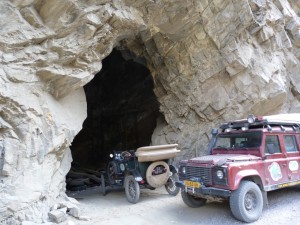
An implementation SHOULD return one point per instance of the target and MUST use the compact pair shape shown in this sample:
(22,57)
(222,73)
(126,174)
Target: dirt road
(157,207)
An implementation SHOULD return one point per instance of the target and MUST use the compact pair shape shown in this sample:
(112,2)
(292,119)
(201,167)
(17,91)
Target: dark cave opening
(122,110)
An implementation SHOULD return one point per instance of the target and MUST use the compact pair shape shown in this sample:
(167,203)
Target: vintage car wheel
(132,189)
(111,172)
(246,203)
(103,188)
(170,185)
(192,201)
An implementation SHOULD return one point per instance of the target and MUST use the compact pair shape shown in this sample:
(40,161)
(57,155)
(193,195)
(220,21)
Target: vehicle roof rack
(252,122)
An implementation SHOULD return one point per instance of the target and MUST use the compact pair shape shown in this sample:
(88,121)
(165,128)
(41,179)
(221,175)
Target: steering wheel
(125,155)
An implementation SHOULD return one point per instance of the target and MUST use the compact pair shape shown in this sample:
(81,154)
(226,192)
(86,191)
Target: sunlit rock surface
(211,61)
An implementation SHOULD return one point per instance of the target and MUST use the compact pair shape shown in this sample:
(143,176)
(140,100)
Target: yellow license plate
(192,184)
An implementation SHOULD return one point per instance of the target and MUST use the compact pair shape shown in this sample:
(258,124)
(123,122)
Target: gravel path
(157,207)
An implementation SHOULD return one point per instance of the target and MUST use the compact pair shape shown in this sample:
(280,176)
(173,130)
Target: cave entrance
(122,110)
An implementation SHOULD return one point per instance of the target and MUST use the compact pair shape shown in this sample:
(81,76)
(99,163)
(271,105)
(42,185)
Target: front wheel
(170,185)
(246,203)
(112,172)
(132,189)
(192,201)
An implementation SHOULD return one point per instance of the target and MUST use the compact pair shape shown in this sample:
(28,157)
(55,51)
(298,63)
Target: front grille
(199,172)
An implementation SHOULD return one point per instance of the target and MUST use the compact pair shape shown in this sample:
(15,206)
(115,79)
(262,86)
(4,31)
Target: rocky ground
(157,207)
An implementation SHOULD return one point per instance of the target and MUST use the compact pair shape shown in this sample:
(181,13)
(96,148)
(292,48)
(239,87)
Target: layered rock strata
(210,60)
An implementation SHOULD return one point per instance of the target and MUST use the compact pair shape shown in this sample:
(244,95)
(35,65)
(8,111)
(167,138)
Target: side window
(290,143)
(272,144)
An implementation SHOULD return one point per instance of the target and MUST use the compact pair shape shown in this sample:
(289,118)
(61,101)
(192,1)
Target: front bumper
(211,191)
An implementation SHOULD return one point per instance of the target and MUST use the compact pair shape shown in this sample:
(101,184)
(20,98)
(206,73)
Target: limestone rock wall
(211,61)
(218,60)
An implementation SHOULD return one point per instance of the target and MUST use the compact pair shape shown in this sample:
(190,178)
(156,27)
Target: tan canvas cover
(157,152)
(284,118)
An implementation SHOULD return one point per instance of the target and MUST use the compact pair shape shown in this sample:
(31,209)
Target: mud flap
(173,169)
(265,198)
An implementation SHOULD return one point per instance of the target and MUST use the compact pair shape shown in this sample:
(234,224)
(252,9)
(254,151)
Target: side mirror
(270,148)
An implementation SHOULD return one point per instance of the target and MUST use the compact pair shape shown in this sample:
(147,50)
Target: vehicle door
(292,155)
(275,162)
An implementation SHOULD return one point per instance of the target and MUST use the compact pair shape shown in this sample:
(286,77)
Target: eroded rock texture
(211,60)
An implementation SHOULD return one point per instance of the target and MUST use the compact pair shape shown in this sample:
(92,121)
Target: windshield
(239,140)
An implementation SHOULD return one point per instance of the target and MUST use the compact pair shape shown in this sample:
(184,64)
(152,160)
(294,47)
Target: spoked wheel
(170,185)
(132,189)
(246,202)
(111,172)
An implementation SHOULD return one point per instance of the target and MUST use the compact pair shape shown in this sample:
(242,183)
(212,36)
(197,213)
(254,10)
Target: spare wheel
(157,180)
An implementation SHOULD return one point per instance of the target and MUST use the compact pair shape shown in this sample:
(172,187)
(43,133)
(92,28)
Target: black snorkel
(214,133)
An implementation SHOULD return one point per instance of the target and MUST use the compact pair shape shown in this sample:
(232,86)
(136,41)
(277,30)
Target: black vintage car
(148,167)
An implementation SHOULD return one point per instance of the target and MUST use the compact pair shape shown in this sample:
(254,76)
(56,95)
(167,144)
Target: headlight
(220,174)
(183,169)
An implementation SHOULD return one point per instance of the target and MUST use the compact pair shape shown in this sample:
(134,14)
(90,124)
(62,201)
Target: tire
(103,185)
(170,185)
(157,180)
(246,203)
(192,201)
(132,189)
(111,172)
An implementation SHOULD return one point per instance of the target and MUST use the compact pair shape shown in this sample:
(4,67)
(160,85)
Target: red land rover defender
(246,159)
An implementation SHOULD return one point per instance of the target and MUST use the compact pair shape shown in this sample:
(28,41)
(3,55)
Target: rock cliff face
(210,60)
